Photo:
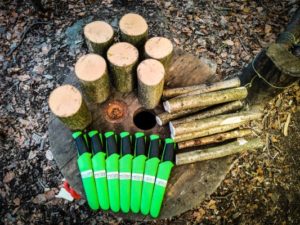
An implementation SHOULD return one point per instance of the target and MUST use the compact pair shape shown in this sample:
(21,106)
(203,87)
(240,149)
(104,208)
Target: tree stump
(91,70)
(189,184)
(99,36)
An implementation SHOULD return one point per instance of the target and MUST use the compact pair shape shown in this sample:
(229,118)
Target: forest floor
(37,50)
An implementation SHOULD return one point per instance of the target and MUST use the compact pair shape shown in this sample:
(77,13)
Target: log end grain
(167,106)
(158,121)
(159,48)
(98,31)
(90,67)
(65,101)
(122,54)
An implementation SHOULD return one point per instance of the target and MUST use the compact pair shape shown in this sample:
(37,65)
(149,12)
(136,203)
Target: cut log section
(134,29)
(99,36)
(206,132)
(221,120)
(202,88)
(205,99)
(220,151)
(67,104)
(218,110)
(91,70)
(161,49)
(123,59)
(166,117)
(150,73)
(216,138)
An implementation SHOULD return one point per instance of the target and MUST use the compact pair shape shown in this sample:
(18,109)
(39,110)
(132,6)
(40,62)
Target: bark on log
(123,58)
(273,81)
(67,104)
(134,29)
(202,88)
(216,138)
(220,151)
(166,117)
(150,73)
(99,36)
(225,108)
(91,70)
(197,125)
(161,49)
(205,99)
(206,132)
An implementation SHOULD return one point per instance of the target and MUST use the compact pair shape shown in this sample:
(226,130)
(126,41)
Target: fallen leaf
(228,42)
(198,215)
(9,177)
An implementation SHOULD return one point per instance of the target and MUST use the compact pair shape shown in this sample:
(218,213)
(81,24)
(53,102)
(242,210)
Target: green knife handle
(163,174)
(85,167)
(101,180)
(148,184)
(138,166)
(125,164)
(112,168)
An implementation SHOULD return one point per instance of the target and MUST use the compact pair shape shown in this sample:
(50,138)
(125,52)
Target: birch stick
(216,138)
(225,108)
(221,120)
(205,99)
(206,132)
(220,151)
(202,88)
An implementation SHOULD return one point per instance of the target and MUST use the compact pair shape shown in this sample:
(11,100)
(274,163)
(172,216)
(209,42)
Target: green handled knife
(86,170)
(150,173)
(99,168)
(162,177)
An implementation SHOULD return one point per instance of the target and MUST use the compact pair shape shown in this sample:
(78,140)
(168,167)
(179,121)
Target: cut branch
(205,99)
(206,132)
(216,138)
(202,88)
(228,107)
(220,151)
(221,120)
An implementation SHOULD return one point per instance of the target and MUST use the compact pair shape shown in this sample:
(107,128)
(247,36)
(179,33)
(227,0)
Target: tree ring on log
(116,111)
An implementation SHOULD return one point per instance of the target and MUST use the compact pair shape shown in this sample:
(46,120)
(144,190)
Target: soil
(38,49)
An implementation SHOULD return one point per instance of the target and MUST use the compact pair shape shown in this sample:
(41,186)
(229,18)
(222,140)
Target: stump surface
(189,184)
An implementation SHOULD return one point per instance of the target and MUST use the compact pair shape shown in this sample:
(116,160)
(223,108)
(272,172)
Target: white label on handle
(149,179)
(86,174)
(100,174)
(112,175)
(161,182)
(125,176)
(137,176)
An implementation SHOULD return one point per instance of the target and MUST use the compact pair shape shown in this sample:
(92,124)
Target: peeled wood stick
(205,99)
(228,119)
(202,88)
(206,132)
(228,107)
(99,35)
(216,138)
(166,117)
(220,151)
(67,104)
(150,74)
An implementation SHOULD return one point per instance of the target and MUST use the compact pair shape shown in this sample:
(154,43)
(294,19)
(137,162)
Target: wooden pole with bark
(91,70)
(216,138)
(67,104)
(150,74)
(123,58)
(218,110)
(134,29)
(161,49)
(221,120)
(201,88)
(205,99)
(235,147)
(99,36)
